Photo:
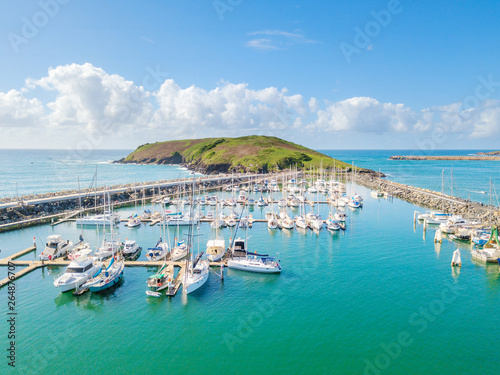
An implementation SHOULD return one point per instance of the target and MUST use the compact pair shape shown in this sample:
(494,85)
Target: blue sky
(424,75)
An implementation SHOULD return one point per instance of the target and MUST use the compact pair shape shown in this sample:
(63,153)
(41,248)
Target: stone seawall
(432,200)
(451,157)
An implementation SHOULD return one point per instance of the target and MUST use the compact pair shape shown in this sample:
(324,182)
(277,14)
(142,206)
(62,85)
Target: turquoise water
(340,300)
(379,298)
(461,178)
(41,171)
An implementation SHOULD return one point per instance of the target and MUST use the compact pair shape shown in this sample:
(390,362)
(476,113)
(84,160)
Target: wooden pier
(31,265)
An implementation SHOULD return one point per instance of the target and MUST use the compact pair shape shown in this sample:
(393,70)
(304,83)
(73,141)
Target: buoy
(438,237)
(456,260)
(425,225)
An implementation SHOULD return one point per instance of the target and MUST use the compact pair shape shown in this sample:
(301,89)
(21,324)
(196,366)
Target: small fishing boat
(162,279)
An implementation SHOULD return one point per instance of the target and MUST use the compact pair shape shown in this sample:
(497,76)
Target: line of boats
(483,237)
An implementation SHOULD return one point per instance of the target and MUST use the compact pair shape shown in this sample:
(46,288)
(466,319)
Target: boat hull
(237,265)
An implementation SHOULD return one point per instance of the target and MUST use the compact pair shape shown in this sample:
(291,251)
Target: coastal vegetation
(243,154)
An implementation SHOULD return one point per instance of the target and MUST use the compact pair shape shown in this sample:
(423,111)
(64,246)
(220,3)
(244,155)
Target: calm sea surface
(379,298)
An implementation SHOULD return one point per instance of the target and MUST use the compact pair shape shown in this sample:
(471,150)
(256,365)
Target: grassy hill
(243,154)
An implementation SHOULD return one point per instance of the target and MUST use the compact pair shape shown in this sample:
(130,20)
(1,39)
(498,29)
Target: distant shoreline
(478,157)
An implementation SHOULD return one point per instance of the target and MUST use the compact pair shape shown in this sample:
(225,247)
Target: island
(491,153)
(256,153)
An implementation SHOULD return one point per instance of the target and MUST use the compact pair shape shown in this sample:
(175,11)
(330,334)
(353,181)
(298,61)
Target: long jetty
(431,199)
(22,207)
(446,157)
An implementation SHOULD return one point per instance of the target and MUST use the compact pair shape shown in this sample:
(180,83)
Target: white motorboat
(487,255)
(82,250)
(216,249)
(230,222)
(55,247)
(133,222)
(332,225)
(243,222)
(131,249)
(316,223)
(339,216)
(272,223)
(183,220)
(77,273)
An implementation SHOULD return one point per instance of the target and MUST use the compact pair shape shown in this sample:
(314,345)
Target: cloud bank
(85,101)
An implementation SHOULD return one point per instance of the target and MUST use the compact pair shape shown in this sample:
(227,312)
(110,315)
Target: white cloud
(229,107)
(276,39)
(114,112)
(17,110)
(365,115)
(86,96)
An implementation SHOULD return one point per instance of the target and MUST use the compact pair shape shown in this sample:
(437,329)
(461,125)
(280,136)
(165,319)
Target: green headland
(254,153)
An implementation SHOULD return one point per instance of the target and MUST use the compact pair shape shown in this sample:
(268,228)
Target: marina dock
(31,265)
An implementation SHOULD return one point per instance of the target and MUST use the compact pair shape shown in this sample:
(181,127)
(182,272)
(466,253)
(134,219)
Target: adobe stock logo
(363,38)
(48,10)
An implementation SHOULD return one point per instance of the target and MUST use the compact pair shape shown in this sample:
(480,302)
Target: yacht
(108,248)
(55,247)
(107,278)
(131,249)
(159,252)
(196,275)
(133,222)
(216,249)
(180,251)
(259,263)
(105,219)
(77,273)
